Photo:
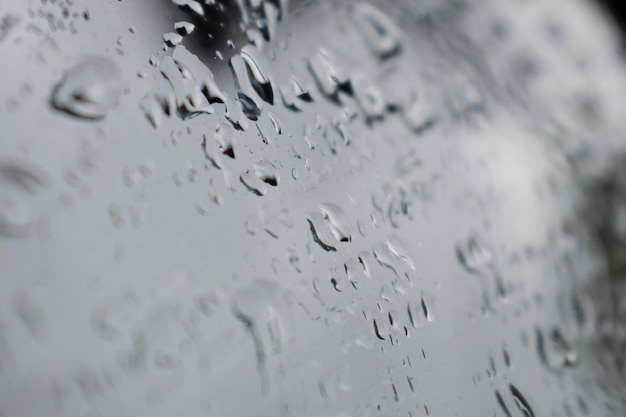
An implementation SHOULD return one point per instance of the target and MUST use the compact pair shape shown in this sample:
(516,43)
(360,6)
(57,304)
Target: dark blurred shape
(617,8)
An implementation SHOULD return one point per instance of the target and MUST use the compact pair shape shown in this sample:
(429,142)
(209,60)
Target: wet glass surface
(330,208)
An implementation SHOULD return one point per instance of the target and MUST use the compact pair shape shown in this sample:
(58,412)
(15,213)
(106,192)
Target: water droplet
(470,99)
(6,24)
(380,32)
(400,250)
(356,271)
(153,110)
(192,5)
(414,313)
(172,39)
(293,93)
(258,73)
(189,97)
(391,254)
(507,359)
(256,180)
(380,329)
(253,80)
(200,73)
(256,306)
(502,404)
(89,89)
(220,144)
(184,28)
(276,123)
(20,189)
(426,309)
(111,321)
(521,402)
(262,15)
(555,351)
(267,172)
(419,115)
(327,75)
(320,232)
(330,225)
(474,256)
(338,221)
(369,99)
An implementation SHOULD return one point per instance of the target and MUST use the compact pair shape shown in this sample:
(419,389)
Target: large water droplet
(253,81)
(330,225)
(327,74)
(257,308)
(89,89)
(200,73)
(172,39)
(263,173)
(189,97)
(258,73)
(184,28)
(338,221)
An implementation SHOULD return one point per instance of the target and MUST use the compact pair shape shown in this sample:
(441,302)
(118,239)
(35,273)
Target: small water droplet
(6,24)
(555,351)
(20,190)
(379,330)
(474,256)
(153,110)
(380,32)
(276,123)
(507,359)
(502,404)
(426,309)
(369,99)
(419,115)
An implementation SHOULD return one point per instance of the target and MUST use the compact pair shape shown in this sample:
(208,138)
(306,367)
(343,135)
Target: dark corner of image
(617,9)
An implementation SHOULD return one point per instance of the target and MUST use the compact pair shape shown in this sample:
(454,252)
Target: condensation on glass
(382,208)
